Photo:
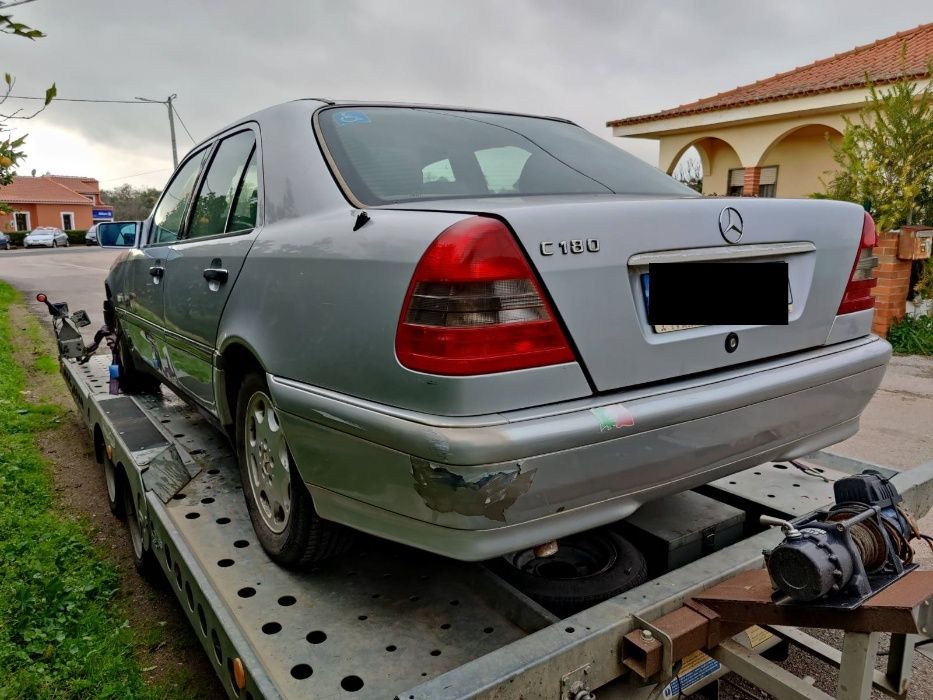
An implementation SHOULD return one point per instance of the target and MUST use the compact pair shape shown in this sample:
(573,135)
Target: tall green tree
(11,148)
(886,156)
(130,202)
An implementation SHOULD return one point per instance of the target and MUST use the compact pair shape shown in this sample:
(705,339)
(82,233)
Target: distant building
(62,201)
(772,138)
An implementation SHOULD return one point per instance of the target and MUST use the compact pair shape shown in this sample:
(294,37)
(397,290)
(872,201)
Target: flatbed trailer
(386,621)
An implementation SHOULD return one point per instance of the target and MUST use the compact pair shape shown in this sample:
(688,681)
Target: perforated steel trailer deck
(386,621)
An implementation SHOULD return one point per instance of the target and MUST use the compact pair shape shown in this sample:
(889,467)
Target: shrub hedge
(75,236)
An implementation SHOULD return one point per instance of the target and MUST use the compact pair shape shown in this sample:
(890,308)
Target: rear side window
(221,185)
(170,214)
(398,154)
(246,202)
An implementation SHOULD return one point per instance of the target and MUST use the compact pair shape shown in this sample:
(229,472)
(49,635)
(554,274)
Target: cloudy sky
(587,60)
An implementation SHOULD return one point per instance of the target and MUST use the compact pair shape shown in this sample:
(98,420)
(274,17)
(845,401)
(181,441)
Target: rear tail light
(475,307)
(857,295)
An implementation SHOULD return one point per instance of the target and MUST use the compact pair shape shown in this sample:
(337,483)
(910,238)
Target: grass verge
(59,634)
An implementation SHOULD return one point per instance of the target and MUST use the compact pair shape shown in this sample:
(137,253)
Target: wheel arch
(238,359)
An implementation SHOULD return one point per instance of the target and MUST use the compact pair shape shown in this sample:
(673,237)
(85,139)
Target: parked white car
(90,238)
(46,236)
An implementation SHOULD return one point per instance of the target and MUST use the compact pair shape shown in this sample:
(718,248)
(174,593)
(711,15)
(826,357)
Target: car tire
(55,244)
(132,380)
(588,568)
(67,244)
(279,505)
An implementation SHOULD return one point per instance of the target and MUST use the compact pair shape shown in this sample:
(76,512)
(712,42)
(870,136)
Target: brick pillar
(752,178)
(893,280)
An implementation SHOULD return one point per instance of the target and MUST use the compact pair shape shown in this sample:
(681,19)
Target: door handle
(156,271)
(216,274)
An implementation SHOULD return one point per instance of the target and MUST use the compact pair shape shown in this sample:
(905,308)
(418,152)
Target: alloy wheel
(267,462)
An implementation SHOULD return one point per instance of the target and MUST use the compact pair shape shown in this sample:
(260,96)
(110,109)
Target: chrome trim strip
(720,253)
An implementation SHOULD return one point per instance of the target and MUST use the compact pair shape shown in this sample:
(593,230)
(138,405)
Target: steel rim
(111,480)
(132,524)
(579,556)
(267,462)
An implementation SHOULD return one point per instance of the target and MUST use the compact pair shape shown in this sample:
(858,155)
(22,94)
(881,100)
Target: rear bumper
(476,487)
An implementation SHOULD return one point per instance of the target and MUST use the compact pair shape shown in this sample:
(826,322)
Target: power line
(172,112)
(182,122)
(75,99)
(127,177)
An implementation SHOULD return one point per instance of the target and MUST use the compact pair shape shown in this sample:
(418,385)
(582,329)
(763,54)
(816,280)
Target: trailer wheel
(143,558)
(132,380)
(588,568)
(278,502)
(115,489)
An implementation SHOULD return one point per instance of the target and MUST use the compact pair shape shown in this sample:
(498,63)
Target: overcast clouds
(586,60)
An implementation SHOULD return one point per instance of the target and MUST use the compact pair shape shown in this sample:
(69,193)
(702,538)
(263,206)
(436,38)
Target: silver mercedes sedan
(473,332)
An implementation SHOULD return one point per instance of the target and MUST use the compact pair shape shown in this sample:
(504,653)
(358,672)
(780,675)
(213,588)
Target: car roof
(275,110)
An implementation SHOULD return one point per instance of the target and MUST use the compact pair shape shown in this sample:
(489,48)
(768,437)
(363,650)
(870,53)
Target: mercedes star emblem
(730,225)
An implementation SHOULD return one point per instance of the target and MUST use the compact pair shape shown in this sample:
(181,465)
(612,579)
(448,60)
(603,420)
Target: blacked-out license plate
(684,295)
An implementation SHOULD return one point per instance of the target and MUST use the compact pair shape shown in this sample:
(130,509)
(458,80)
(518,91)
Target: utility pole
(171,127)
(171,122)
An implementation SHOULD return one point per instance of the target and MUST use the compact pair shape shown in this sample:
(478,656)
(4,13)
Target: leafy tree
(129,202)
(886,157)
(10,148)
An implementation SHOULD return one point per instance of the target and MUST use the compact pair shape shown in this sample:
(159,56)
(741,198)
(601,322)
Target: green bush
(76,236)
(912,335)
(16,237)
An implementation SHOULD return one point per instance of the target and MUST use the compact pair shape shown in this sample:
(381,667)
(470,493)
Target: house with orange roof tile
(772,138)
(61,201)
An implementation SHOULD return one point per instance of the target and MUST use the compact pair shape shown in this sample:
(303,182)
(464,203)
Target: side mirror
(121,234)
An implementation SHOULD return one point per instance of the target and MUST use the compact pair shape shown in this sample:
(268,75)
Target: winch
(841,556)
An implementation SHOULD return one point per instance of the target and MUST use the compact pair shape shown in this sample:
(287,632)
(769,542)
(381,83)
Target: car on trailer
(476,332)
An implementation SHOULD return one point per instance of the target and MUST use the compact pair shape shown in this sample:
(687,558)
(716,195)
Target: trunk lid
(598,293)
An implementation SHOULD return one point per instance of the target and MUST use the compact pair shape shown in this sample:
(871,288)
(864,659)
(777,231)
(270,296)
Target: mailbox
(914,243)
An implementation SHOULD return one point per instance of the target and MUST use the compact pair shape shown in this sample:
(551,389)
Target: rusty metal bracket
(667,648)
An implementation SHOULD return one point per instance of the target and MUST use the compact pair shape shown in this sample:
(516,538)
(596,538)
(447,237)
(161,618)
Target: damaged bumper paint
(475,487)
(486,494)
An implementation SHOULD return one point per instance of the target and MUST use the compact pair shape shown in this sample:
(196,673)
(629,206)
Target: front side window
(502,167)
(220,185)
(169,216)
(402,154)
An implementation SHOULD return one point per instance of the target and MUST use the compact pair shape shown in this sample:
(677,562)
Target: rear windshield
(398,154)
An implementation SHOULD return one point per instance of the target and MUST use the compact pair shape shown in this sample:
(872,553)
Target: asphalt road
(74,274)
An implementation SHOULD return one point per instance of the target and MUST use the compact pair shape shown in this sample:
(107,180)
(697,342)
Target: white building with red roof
(772,138)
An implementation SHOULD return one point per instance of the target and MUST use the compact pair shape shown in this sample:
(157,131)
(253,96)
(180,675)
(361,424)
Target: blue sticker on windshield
(351,117)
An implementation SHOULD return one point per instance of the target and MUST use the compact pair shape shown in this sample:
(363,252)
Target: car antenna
(361,220)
